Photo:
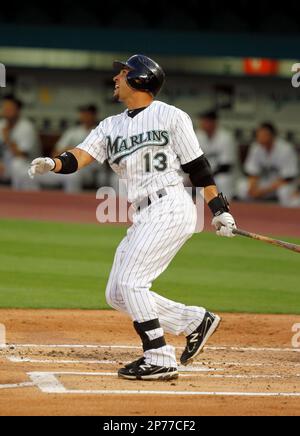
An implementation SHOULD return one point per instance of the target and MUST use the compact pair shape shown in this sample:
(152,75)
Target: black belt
(146,202)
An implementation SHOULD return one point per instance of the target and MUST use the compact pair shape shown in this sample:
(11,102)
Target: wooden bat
(266,239)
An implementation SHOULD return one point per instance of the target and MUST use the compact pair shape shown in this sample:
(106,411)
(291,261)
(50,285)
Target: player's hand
(41,165)
(224,224)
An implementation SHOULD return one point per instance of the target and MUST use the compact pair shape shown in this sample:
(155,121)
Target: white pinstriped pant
(157,234)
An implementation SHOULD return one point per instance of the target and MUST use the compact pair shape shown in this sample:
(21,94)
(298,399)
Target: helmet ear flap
(138,81)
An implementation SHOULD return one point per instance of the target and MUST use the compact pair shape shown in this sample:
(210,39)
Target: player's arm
(92,148)
(67,163)
(255,191)
(201,175)
(194,163)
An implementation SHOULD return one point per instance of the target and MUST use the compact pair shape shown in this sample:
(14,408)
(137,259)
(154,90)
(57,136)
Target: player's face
(88,118)
(122,90)
(10,110)
(209,126)
(264,137)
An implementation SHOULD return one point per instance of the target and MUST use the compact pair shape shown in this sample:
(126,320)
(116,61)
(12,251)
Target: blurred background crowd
(230,70)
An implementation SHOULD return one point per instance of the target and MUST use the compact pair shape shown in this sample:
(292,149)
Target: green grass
(54,265)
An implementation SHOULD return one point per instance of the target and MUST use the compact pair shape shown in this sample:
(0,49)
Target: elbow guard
(200,172)
(69,163)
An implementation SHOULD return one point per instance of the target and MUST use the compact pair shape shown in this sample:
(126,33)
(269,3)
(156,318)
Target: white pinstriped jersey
(147,150)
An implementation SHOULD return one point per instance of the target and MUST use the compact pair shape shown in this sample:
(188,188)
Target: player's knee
(113,296)
(126,287)
(108,298)
(110,295)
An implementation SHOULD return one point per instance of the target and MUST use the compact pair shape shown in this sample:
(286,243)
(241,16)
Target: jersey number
(159,162)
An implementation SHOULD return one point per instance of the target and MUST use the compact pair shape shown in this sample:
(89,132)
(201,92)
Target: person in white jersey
(147,145)
(87,120)
(219,148)
(272,167)
(19,144)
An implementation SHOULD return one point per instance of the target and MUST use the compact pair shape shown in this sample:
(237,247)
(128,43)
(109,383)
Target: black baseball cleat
(139,370)
(197,339)
(140,361)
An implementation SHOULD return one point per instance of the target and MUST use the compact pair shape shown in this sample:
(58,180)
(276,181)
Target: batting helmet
(144,74)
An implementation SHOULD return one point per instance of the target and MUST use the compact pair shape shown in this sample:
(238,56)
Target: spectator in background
(219,147)
(272,168)
(19,143)
(88,119)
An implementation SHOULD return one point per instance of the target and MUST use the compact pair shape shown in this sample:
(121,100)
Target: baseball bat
(267,240)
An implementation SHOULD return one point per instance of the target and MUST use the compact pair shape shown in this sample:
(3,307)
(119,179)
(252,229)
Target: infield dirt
(250,354)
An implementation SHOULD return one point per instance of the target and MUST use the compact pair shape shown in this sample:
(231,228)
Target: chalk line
(134,347)
(48,383)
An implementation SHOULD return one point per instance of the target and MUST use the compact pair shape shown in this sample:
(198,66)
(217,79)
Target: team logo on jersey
(121,147)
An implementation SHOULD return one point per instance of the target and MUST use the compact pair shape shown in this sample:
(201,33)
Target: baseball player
(219,148)
(147,145)
(272,167)
(19,144)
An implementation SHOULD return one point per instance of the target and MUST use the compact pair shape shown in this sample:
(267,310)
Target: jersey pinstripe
(147,150)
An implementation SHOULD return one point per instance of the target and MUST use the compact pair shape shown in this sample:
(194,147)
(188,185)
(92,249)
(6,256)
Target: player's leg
(195,323)
(150,249)
(140,304)
(115,298)
(175,318)
(113,294)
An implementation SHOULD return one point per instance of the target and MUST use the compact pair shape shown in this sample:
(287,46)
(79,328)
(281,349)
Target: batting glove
(41,165)
(224,224)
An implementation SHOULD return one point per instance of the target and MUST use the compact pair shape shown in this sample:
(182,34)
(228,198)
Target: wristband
(69,163)
(219,205)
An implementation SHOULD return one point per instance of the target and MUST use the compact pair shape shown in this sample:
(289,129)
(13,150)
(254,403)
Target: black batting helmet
(144,74)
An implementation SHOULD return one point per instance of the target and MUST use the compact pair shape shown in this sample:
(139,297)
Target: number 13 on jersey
(155,161)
